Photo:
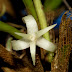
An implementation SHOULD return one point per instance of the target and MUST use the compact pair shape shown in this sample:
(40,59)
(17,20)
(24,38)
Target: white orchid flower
(33,38)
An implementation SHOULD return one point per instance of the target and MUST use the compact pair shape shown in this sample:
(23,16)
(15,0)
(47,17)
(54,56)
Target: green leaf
(9,29)
(51,4)
(30,7)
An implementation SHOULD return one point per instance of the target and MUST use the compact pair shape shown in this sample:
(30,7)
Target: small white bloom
(33,38)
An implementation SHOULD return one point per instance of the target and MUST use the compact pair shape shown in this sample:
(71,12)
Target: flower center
(33,37)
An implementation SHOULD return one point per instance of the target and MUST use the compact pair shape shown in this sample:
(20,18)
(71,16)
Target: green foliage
(41,17)
(30,7)
(51,4)
(9,29)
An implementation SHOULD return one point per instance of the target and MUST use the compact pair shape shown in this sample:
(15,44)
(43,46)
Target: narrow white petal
(31,24)
(25,36)
(19,45)
(43,31)
(45,44)
(33,51)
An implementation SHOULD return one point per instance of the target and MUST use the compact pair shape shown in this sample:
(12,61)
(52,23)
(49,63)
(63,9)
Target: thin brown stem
(68,6)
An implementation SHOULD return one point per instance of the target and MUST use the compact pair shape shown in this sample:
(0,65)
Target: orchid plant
(33,38)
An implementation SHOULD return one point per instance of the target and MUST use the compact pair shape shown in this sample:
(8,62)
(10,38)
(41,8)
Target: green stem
(3,10)
(9,29)
(30,7)
(51,4)
(41,16)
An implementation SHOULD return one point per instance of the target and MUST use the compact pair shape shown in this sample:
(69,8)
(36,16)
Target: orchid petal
(31,24)
(43,31)
(19,45)
(25,36)
(45,44)
(33,51)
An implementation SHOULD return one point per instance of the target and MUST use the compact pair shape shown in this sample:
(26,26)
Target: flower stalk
(41,17)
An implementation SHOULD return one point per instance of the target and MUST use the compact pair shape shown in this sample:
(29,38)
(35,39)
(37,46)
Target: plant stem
(9,29)
(41,17)
(68,6)
(30,7)
(3,10)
